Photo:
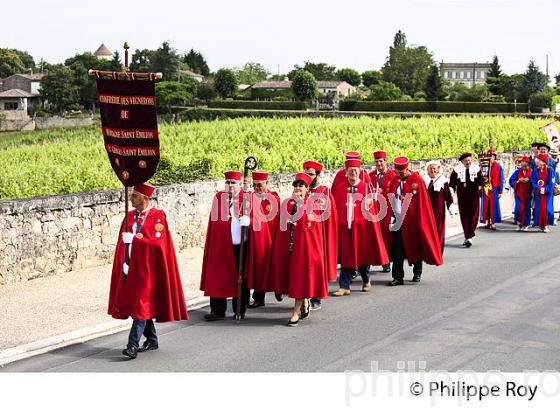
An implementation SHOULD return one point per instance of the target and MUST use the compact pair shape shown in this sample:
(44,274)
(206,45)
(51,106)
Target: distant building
(26,82)
(14,104)
(190,74)
(103,52)
(466,73)
(328,90)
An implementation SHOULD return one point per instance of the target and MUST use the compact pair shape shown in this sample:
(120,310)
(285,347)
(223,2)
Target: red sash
(523,192)
(543,220)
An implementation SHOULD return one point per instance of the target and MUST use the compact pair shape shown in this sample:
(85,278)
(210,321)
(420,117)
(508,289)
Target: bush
(384,91)
(201,114)
(431,106)
(258,105)
(538,101)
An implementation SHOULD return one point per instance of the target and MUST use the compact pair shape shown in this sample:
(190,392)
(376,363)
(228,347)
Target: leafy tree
(320,71)
(493,76)
(277,77)
(304,86)
(116,64)
(540,100)
(407,67)
(434,85)
(196,62)
(166,61)
(495,69)
(56,88)
(172,93)
(142,61)
(533,82)
(80,64)
(384,91)
(477,93)
(225,83)
(26,59)
(206,90)
(349,75)
(10,63)
(251,73)
(371,77)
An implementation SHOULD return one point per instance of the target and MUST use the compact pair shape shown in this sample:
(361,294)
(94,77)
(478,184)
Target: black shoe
(386,268)
(396,282)
(255,304)
(416,278)
(279,297)
(305,312)
(131,352)
(212,317)
(468,243)
(292,323)
(147,346)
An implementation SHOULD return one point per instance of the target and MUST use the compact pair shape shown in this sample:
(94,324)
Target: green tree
(304,86)
(172,93)
(80,64)
(477,93)
(196,62)
(251,73)
(541,100)
(58,89)
(493,76)
(533,82)
(165,60)
(116,64)
(206,90)
(277,77)
(26,59)
(141,61)
(495,69)
(349,75)
(434,85)
(10,63)
(371,77)
(225,83)
(320,71)
(407,67)
(384,91)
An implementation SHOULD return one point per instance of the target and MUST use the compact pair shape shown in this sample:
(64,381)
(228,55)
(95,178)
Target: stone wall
(50,235)
(25,123)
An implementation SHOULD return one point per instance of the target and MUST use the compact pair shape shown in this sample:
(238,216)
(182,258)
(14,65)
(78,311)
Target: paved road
(495,306)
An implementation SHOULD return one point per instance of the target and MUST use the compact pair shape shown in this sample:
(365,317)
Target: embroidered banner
(129,126)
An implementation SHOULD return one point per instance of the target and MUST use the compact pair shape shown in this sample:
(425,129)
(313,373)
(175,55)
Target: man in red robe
(265,213)
(146,284)
(440,196)
(415,235)
(466,180)
(321,197)
(360,241)
(340,176)
(222,248)
(383,179)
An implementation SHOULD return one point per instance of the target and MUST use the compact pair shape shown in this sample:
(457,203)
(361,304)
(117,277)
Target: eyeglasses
(299,184)
(231,182)
(258,184)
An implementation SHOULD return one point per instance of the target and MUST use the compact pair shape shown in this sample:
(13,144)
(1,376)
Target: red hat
(491,152)
(259,176)
(400,163)
(543,158)
(317,166)
(235,175)
(525,159)
(352,155)
(302,176)
(145,189)
(379,154)
(353,163)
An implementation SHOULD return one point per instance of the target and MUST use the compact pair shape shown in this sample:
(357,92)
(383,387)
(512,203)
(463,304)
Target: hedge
(432,106)
(258,105)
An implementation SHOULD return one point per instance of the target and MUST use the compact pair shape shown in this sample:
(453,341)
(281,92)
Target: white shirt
(398,202)
(350,206)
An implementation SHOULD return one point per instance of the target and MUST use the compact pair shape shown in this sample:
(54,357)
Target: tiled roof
(15,93)
(32,77)
(103,51)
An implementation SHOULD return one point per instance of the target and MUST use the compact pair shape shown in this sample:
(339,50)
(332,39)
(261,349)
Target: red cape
(260,242)
(330,231)
(300,274)
(363,244)
(219,268)
(340,177)
(153,285)
(384,190)
(420,236)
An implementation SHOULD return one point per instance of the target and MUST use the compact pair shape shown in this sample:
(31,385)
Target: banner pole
(126,47)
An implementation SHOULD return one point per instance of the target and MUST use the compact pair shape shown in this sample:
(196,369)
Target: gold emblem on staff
(159,227)
(139,235)
(541,182)
(269,208)
(142,164)
(117,162)
(125,175)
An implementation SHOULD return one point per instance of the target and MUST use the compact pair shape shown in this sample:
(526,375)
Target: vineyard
(74,160)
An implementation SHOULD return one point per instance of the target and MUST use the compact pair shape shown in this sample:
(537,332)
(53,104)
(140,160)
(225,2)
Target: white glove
(127,237)
(125,268)
(391,227)
(245,220)
(542,191)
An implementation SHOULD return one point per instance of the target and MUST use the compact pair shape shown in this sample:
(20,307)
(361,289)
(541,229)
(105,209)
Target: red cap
(353,163)
(543,158)
(352,155)
(525,159)
(317,166)
(400,163)
(379,154)
(259,176)
(145,189)
(302,176)
(235,175)
(491,152)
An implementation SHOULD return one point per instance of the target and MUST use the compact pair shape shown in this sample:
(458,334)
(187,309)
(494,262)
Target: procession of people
(293,247)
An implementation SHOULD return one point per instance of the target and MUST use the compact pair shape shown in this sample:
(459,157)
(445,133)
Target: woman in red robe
(298,265)
(440,197)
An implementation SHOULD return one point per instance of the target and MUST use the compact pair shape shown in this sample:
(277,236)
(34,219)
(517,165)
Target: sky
(282,33)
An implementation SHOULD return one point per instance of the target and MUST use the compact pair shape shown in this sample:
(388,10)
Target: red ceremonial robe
(219,267)
(419,232)
(261,240)
(340,177)
(301,272)
(467,183)
(325,200)
(382,186)
(152,288)
(363,243)
(441,199)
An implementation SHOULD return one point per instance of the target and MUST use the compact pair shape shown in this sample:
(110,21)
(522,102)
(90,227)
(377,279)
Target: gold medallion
(125,175)
(139,235)
(541,182)
(142,164)
(159,227)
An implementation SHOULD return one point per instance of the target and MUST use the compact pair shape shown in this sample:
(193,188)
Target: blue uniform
(522,207)
(496,214)
(548,195)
